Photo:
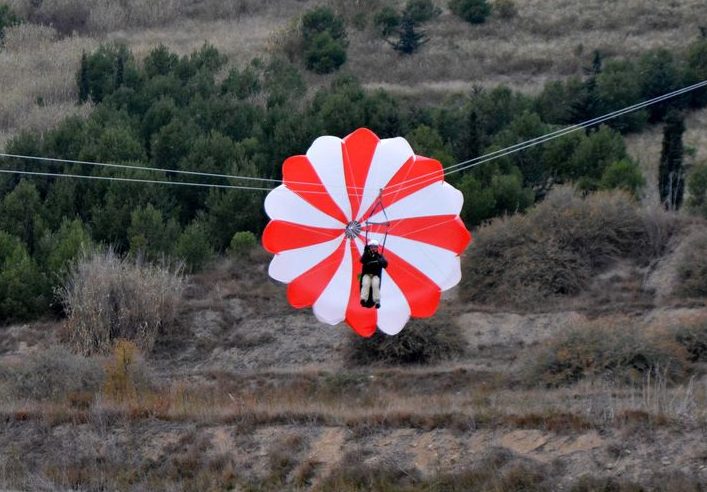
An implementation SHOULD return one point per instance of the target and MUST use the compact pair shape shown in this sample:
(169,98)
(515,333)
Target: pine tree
(410,39)
(671,175)
(119,70)
(473,137)
(84,86)
(587,106)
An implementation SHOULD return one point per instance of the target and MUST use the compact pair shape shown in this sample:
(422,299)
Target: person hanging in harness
(373,264)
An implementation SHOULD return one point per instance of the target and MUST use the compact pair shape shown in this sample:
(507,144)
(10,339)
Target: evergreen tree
(587,106)
(410,39)
(119,70)
(472,11)
(84,87)
(671,175)
(473,145)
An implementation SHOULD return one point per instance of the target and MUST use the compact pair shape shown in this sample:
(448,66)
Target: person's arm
(384,262)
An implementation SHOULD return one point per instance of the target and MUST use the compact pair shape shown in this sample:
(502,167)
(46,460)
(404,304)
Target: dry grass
(38,79)
(107,298)
(368,407)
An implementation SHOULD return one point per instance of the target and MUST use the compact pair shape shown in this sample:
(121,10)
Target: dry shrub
(422,341)
(126,374)
(692,268)
(107,298)
(499,470)
(53,374)
(616,349)
(556,248)
(693,337)
(587,483)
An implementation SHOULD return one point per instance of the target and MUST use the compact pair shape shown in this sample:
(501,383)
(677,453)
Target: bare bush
(616,349)
(107,297)
(51,375)
(558,246)
(693,336)
(660,226)
(692,268)
(423,341)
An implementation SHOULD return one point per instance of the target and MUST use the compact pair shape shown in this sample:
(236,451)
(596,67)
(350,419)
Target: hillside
(606,389)
(263,399)
(546,40)
(145,347)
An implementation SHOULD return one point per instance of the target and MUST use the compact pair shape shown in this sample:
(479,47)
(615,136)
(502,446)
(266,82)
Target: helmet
(373,242)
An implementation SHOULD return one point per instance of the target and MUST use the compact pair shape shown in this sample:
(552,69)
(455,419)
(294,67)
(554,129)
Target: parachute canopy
(344,191)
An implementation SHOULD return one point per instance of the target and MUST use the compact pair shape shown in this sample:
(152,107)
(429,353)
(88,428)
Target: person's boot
(378,305)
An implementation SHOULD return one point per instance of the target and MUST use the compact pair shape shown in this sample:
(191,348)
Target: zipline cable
(133,180)
(423,179)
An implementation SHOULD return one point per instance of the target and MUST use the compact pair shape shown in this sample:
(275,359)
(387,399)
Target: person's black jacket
(373,263)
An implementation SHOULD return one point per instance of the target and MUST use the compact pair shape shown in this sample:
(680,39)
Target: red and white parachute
(339,193)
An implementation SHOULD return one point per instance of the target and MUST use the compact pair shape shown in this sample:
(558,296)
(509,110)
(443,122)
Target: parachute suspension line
(376,206)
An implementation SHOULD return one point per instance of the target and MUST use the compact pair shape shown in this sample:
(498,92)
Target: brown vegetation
(556,248)
(423,341)
(107,298)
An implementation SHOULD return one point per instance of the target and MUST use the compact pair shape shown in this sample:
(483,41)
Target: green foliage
(23,288)
(104,71)
(428,142)
(59,249)
(324,40)
(150,235)
(8,18)
(242,243)
(619,86)
(697,187)
(177,112)
(194,247)
(387,20)
(420,11)
(479,201)
(697,71)
(242,83)
(410,39)
(324,54)
(623,175)
(21,214)
(591,157)
(422,341)
(472,11)
(160,62)
(660,73)
(323,19)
